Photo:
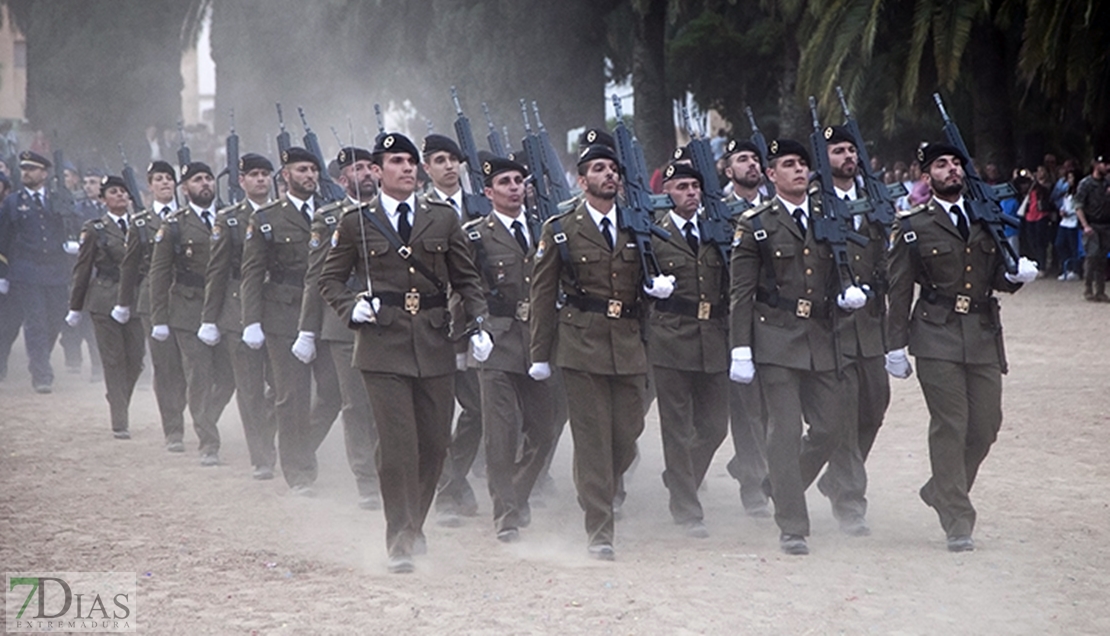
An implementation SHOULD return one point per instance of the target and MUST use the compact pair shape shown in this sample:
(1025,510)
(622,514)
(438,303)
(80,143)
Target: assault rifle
(715,228)
(982,199)
(494,139)
(545,205)
(880,196)
(283,141)
(552,167)
(329,189)
(184,157)
(132,183)
(760,142)
(475,201)
(381,123)
(636,213)
(235,193)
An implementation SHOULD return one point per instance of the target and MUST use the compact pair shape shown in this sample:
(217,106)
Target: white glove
(1027,272)
(121,314)
(366,310)
(742,369)
(661,287)
(4,285)
(304,347)
(481,345)
(209,333)
(160,332)
(898,365)
(851,299)
(460,361)
(539,371)
(73,318)
(71,247)
(253,336)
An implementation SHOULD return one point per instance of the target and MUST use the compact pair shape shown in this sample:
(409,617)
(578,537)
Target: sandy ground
(218,553)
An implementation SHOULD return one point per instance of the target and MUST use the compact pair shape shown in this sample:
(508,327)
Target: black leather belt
(960,303)
(610,307)
(412,302)
(700,310)
(111,275)
(188,279)
(520,310)
(802,307)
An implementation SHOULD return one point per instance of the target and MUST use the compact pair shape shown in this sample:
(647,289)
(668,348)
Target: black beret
(111,181)
(681,154)
(254,161)
(195,168)
(161,166)
(740,145)
(496,165)
(350,154)
(597,151)
(31,159)
(839,135)
(681,171)
(442,143)
(931,152)
(783,147)
(596,136)
(296,154)
(395,143)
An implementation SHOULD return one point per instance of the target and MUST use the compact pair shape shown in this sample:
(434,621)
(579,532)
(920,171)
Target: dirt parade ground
(216,552)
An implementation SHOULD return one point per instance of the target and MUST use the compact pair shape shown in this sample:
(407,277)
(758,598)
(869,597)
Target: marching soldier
(747,413)
(408,250)
(360,434)
(35,270)
(275,258)
(455,497)
(222,314)
(954,332)
(134,291)
(95,290)
(595,338)
(87,206)
(177,267)
(861,340)
(517,411)
(784,290)
(687,346)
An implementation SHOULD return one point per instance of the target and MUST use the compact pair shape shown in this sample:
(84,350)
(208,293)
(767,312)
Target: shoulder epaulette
(912,211)
(759,209)
(473,224)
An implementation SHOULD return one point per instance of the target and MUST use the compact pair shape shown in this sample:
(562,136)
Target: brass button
(967,285)
(527,279)
(809,272)
(857,257)
(935,251)
(968,250)
(614,274)
(412,270)
(968,268)
(806,251)
(778,253)
(809,292)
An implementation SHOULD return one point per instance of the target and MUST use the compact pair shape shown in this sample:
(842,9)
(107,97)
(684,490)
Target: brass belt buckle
(804,309)
(614,310)
(523,310)
(963,304)
(412,302)
(705,310)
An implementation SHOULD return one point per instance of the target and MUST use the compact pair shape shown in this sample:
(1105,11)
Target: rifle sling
(404,251)
(482,258)
(770,283)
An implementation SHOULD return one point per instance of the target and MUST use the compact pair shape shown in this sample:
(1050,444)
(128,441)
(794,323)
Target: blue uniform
(32,235)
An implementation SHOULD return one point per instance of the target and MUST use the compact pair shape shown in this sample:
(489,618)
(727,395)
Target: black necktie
(207,217)
(605,224)
(166,211)
(799,217)
(691,238)
(404,228)
(122,226)
(961,222)
(306,212)
(38,200)
(518,232)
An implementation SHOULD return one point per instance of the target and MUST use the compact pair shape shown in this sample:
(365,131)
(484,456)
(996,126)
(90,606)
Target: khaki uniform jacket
(685,342)
(454,301)
(399,342)
(273,270)
(576,339)
(177,271)
(103,246)
(861,331)
(134,287)
(222,276)
(804,270)
(974,269)
(315,316)
(508,269)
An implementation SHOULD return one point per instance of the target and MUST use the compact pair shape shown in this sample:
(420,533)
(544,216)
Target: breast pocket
(940,263)
(435,255)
